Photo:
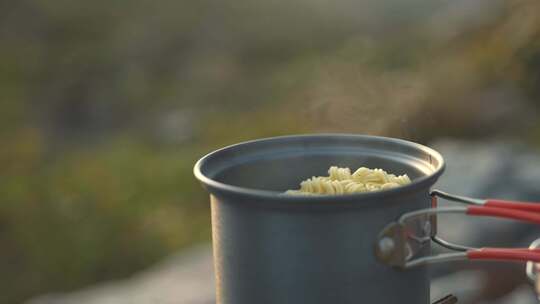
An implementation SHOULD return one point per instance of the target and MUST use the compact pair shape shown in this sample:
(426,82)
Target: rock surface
(183,279)
(501,170)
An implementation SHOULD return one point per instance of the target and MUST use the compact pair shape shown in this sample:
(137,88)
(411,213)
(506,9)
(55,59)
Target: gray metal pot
(279,249)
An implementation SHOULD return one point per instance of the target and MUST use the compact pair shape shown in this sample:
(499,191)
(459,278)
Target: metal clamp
(532,270)
(400,242)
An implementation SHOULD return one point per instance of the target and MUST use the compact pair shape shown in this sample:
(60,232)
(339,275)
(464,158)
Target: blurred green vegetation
(105,107)
(92,214)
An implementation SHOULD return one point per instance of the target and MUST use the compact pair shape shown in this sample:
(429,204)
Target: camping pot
(276,248)
(271,247)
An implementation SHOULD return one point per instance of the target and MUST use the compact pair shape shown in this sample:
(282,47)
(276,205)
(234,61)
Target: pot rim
(220,187)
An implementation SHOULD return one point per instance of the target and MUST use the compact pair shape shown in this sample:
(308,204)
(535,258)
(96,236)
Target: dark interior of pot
(281,163)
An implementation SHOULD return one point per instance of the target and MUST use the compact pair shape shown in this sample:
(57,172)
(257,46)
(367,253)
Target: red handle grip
(525,206)
(504,254)
(519,215)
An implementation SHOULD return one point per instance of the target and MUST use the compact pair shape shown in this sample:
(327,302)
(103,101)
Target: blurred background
(106,105)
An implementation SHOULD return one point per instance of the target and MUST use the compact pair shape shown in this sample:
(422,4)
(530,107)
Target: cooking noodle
(341,181)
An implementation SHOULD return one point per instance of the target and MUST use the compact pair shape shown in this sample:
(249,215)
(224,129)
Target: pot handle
(525,206)
(398,244)
(396,240)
